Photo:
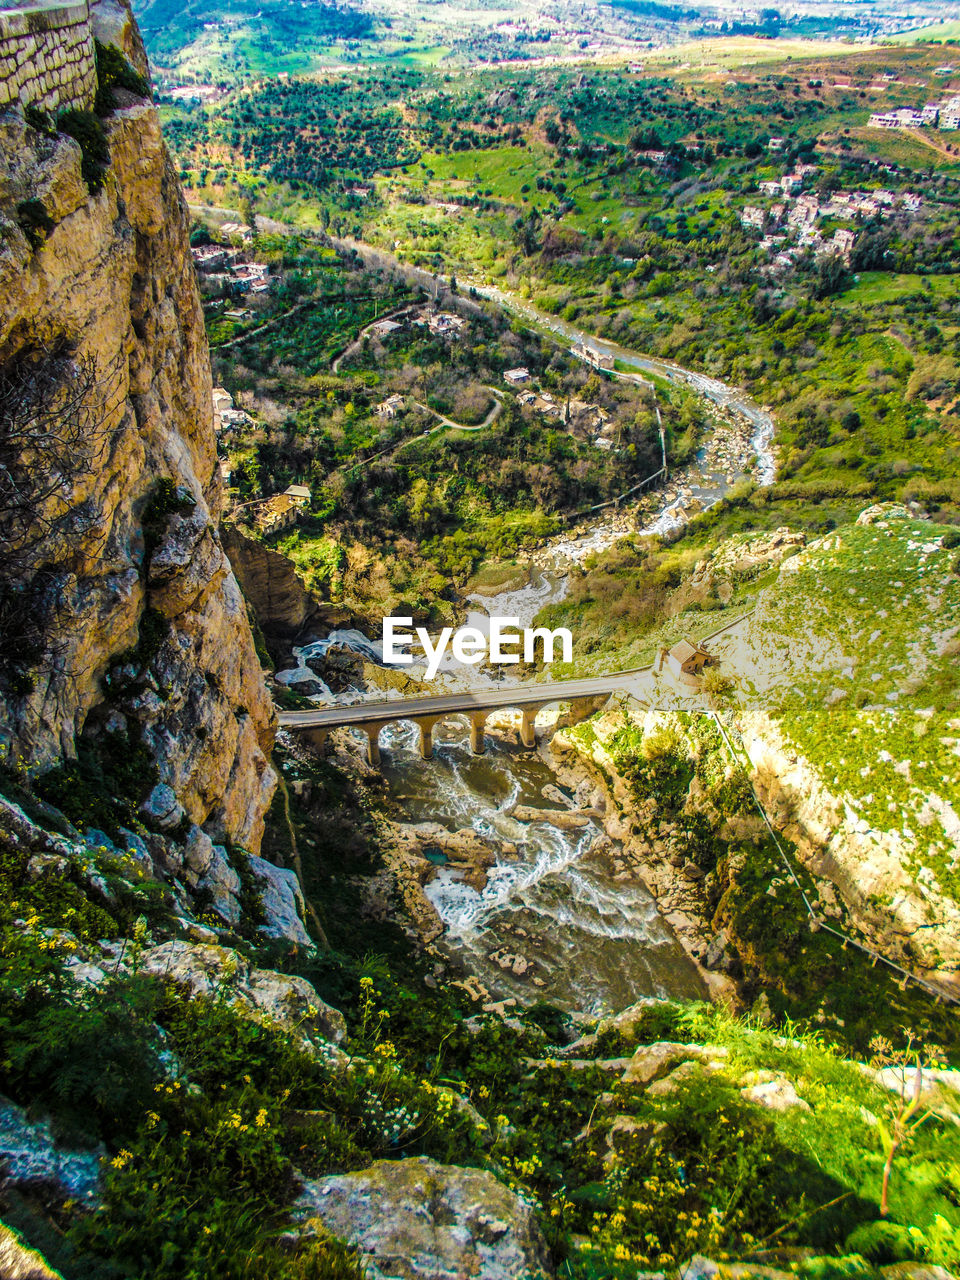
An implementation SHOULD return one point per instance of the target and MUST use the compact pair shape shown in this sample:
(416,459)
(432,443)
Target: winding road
(713,389)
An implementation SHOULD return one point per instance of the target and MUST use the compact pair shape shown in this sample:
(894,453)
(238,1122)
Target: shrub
(34,221)
(86,1055)
(166,498)
(882,1242)
(196,1193)
(88,132)
(114,71)
(38,119)
(104,785)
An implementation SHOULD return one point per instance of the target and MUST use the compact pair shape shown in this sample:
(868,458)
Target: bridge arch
(476,718)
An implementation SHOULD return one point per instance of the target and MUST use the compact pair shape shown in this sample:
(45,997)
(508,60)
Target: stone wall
(47,57)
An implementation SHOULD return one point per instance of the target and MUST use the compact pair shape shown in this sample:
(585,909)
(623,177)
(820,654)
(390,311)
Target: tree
(832,277)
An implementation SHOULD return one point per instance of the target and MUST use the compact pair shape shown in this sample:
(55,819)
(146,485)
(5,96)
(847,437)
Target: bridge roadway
(585,696)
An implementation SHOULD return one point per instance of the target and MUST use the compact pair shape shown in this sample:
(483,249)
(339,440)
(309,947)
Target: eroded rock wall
(114,279)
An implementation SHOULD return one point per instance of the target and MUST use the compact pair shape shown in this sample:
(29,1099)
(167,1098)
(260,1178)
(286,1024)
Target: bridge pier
(373,744)
(426,727)
(528,731)
(478,720)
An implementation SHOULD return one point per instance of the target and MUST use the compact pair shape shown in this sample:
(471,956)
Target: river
(554,921)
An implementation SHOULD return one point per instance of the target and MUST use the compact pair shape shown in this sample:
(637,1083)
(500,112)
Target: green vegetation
(748,894)
(213,1149)
(244,38)
(87,131)
(548,182)
(880,705)
(115,72)
(405,507)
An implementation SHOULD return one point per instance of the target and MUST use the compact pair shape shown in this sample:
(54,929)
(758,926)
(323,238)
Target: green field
(873,288)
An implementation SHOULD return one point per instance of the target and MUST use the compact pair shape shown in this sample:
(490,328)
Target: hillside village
(228,269)
(561,396)
(943,115)
(788,225)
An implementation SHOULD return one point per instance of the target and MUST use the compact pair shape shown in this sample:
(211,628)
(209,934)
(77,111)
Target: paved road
(518,695)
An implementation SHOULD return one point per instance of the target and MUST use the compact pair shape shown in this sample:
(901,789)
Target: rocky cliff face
(283,606)
(140,628)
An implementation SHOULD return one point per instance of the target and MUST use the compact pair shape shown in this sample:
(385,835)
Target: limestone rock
(114,278)
(161,808)
(653,1061)
(113,24)
(772,1090)
(700,1268)
(261,994)
(915,1271)
(628,1020)
(282,901)
(883,511)
(29,1157)
(46,866)
(283,605)
(19,1262)
(187,567)
(683,1074)
(134,846)
(419,1220)
(197,853)
(222,883)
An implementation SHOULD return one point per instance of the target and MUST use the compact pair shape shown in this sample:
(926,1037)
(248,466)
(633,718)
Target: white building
(752,216)
(222,399)
(391,407)
(902,119)
(443,322)
(598,359)
(383,327)
(516,377)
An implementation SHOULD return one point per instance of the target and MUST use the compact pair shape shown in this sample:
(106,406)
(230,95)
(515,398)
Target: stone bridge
(585,696)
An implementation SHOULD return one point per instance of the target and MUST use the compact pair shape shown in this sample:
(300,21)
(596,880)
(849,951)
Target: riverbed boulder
(565,819)
(419,1220)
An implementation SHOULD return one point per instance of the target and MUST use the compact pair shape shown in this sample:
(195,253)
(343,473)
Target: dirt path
(493,414)
(353,346)
(269,324)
